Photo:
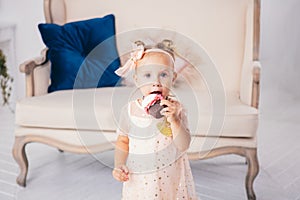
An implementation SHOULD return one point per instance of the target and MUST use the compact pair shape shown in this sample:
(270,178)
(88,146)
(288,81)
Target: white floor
(65,176)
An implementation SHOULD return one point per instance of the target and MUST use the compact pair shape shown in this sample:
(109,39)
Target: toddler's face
(155,73)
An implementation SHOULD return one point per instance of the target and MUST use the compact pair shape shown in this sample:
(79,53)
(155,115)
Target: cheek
(145,88)
(167,82)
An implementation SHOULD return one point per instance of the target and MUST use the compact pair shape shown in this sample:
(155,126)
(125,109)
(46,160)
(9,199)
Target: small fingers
(125,169)
(165,102)
(170,110)
(170,103)
(123,177)
(120,175)
(165,111)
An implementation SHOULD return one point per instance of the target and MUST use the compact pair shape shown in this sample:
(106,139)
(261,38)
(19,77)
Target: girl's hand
(171,112)
(121,173)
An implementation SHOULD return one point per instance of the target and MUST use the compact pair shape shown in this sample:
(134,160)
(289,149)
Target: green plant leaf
(5,79)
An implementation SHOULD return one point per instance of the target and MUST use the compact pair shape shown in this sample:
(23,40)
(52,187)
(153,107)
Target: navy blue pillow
(83,54)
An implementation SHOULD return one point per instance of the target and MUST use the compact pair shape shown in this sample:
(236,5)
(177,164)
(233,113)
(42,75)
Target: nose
(156,85)
(156,82)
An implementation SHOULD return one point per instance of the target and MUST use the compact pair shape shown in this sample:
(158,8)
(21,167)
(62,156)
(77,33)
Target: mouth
(156,92)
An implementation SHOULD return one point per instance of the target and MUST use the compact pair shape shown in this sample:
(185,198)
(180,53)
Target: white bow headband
(135,56)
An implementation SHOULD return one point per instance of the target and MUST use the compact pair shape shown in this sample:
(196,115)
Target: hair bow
(131,63)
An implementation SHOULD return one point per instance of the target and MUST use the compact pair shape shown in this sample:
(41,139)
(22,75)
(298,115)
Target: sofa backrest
(224,28)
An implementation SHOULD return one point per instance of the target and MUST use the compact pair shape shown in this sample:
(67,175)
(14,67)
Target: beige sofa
(219,85)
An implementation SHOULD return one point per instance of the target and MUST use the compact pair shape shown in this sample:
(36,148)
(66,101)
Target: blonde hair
(165,45)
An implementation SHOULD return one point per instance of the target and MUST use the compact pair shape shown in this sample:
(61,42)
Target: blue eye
(148,75)
(164,74)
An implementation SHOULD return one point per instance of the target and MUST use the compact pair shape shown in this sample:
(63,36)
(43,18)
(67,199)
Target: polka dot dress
(157,169)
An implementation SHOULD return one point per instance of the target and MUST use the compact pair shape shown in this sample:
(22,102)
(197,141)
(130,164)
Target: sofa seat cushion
(99,109)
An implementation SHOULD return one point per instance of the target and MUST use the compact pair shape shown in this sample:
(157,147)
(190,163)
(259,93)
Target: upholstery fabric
(41,79)
(83,54)
(98,109)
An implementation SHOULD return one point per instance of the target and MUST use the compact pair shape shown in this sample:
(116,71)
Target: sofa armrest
(256,84)
(29,66)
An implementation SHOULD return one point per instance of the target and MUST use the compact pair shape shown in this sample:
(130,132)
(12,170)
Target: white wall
(26,15)
(280,41)
(280,44)
(280,57)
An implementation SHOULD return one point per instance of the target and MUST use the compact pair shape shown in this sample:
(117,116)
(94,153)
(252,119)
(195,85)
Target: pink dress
(157,169)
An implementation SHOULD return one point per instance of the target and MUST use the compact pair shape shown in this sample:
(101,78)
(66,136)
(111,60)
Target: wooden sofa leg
(253,168)
(60,151)
(20,157)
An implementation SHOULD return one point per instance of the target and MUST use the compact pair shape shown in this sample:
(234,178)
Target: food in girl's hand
(151,104)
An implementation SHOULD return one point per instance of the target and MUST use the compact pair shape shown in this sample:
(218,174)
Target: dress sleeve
(183,118)
(123,126)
